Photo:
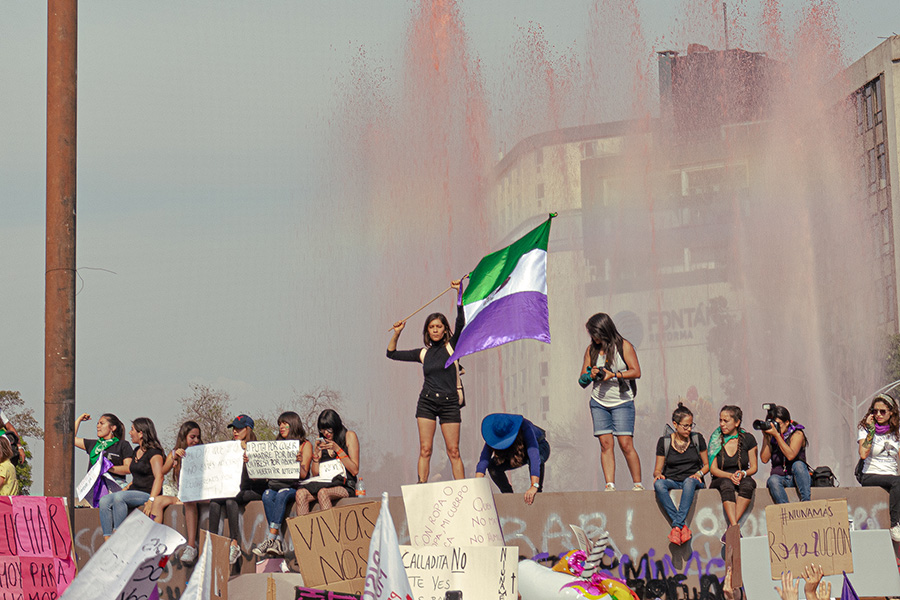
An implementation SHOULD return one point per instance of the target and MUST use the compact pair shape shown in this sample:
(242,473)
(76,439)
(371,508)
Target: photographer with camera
(785,444)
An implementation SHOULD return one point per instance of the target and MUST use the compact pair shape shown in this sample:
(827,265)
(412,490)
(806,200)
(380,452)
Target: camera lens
(760,425)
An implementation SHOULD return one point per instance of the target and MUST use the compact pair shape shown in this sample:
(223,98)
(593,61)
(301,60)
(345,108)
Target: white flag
(199,586)
(385,576)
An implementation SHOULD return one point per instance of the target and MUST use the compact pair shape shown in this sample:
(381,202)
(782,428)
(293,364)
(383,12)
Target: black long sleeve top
(437,378)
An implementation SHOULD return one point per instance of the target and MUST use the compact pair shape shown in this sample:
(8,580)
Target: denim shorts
(618,420)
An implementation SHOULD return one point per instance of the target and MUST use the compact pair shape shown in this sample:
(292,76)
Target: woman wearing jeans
(681,466)
(147,479)
(785,444)
(281,491)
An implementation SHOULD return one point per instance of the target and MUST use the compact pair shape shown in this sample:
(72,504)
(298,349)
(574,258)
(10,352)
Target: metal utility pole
(59,286)
(725,19)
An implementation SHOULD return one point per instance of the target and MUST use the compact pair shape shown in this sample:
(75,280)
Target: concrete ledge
(634,520)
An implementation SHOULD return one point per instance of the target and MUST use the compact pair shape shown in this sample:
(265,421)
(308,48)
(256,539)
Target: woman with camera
(732,463)
(611,367)
(879,444)
(785,444)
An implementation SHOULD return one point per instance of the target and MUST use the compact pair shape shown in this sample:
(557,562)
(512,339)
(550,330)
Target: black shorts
(432,405)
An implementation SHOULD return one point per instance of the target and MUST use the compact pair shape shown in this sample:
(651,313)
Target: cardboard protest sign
(129,563)
(452,513)
(273,460)
(305,593)
(211,471)
(476,571)
(332,546)
(36,557)
(805,532)
(875,575)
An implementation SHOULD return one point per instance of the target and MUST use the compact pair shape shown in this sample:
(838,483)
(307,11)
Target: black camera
(769,422)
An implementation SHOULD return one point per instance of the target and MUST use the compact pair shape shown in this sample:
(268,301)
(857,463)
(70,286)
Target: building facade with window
(646,232)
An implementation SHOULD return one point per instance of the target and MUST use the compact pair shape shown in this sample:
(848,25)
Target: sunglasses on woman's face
(880,411)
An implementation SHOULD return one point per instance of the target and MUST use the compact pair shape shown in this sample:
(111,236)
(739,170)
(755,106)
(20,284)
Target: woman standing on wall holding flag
(439,397)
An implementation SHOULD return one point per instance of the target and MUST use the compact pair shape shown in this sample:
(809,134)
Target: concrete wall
(634,520)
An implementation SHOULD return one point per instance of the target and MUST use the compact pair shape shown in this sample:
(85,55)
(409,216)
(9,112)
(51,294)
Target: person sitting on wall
(732,463)
(512,441)
(681,463)
(785,444)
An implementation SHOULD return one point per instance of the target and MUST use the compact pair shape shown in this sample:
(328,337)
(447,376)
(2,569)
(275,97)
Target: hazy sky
(200,173)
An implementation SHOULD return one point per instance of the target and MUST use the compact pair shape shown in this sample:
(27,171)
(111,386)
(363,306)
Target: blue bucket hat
(499,430)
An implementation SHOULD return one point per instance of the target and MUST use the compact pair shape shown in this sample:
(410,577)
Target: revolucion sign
(816,531)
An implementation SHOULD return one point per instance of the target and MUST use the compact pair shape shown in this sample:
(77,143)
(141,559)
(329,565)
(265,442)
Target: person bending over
(510,442)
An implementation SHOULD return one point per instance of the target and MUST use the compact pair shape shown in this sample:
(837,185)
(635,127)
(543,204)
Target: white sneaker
(234,553)
(895,532)
(610,487)
(189,555)
(638,487)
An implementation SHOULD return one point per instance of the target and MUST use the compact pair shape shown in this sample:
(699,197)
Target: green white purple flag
(507,296)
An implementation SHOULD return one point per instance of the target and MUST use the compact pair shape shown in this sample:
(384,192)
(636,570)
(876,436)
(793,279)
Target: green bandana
(717,442)
(99,447)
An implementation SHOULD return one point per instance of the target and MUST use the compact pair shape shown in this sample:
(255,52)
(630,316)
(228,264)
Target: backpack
(823,477)
(667,442)
(460,371)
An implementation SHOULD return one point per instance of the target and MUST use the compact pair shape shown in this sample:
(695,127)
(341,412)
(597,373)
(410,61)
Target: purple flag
(105,484)
(847,592)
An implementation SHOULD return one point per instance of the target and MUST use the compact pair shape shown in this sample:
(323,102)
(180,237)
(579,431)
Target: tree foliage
(724,342)
(309,404)
(892,358)
(22,418)
(210,408)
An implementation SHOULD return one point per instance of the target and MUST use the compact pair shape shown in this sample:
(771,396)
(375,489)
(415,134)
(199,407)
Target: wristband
(536,486)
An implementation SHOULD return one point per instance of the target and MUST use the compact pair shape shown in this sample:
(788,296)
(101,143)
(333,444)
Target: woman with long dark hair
(784,443)
(879,449)
(251,490)
(611,365)
(336,458)
(188,435)
(147,478)
(110,442)
(281,492)
(733,462)
(439,397)
(510,442)
(681,463)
